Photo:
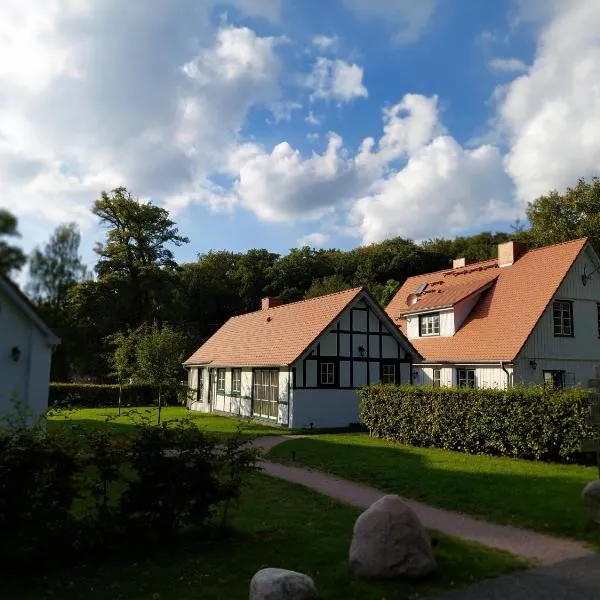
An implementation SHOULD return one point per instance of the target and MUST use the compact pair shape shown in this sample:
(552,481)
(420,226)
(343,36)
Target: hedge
(520,422)
(93,395)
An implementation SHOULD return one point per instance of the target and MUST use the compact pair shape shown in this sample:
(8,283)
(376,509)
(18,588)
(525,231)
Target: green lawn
(107,419)
(277,524)
(540,496)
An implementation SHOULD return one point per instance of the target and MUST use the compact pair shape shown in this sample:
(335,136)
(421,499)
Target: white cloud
(507,64)
(336,80)
(407,18)
(551,114)
(314,240)
(312,137)
(312,119)
(326,42)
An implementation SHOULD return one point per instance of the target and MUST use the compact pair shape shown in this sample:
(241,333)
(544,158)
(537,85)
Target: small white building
(528,317)
(298,365)
(26,345)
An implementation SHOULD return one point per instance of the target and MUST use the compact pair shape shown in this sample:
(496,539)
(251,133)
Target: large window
(466,378)
(388,373)
(328,373)
(554,379)
(437,377)
(236,381)
(220,380)
(266,393)
(563,318)
(429,324)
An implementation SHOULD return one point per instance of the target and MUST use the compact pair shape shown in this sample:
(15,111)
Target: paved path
(538,548)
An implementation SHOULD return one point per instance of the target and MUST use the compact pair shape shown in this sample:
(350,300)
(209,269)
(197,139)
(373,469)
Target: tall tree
(55,269)
(327,285)
(136,250)
(558,217)
(11,257)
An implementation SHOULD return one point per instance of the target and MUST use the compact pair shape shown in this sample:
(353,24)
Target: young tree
(123,358)
(11,257)
(160,353)
(54,270)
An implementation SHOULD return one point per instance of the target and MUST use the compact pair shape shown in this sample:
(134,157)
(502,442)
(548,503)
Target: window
(328,373)
(220,380)
(266,393)
(563,318)
(466,378)
(554,379)
(388,373)
(429,324)
(437,378)
(236,381)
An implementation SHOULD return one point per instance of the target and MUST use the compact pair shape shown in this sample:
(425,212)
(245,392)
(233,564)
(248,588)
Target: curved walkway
(538,548)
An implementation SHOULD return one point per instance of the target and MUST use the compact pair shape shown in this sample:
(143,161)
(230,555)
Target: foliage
(95,395)
(327,285)
(61,495)
(523,422)
(11,257)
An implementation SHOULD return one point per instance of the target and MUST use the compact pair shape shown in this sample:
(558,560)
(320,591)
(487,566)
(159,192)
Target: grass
(106,419)
(276,524)
(544,497)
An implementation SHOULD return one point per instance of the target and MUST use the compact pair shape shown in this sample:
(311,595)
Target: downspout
(502,363)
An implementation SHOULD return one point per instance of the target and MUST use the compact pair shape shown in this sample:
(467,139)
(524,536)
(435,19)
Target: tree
(559,218)
(160,353)
(11,257)
(54,270)
(136,251)
(327,285)
(123,358)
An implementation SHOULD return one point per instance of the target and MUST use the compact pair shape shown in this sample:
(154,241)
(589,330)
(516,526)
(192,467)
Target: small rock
(591,499)
(280,584)
(389,541)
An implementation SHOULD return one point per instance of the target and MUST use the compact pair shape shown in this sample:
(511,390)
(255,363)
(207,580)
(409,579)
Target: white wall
(446,323)
(324,408)
(28,378)
(486,376)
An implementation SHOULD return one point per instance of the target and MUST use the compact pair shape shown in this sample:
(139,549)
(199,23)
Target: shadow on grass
(537,496)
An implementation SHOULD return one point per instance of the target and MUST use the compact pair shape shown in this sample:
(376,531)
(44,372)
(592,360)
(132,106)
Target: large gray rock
(591,499)
(389,541)
(280,584)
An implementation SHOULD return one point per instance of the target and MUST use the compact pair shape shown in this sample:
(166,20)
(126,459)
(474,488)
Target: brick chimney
(458,263)
(509,253)
(270,302)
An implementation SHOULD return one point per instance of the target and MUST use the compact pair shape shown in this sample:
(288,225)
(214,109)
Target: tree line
(137,287)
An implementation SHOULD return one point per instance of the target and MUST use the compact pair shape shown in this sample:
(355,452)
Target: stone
(281,584)
(591,499)
(389,541)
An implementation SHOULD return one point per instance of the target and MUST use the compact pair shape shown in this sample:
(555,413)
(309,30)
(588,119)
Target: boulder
(591,499)
(280,584)
(389,541)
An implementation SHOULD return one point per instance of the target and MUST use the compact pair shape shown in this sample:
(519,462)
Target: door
(266,394)
(212,387)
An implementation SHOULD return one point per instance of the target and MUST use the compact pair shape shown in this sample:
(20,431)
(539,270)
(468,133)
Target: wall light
(15,353)
(533,364)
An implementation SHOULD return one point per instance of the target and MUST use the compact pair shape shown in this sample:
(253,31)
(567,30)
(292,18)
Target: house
(299,364)
(26,345)
(528,317)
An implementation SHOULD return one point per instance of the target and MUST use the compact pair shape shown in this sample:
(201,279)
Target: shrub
(522,422)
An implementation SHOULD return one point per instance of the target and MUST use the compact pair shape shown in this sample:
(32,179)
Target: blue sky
(277,123)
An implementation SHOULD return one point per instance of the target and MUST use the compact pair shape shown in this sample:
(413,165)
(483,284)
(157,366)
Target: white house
(526,317)
(26,345)
(299,364)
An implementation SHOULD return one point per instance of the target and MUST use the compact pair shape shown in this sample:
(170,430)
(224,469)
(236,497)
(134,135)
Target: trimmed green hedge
(93,395)
(521,422)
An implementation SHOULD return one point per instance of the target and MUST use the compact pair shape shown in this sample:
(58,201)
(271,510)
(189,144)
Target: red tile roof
(506,313)
(275,336)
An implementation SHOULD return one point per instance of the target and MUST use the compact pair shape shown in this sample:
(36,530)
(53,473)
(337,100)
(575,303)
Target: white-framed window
(436,377)
(236,381)
(466,378)
(563,318)
(266,393)
(220,380)
(327,373)
(429,324)
(554,379)
(388,373)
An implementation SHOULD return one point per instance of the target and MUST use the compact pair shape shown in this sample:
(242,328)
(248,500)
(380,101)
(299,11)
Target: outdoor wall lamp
(15,353)
(361,350)
(533,364)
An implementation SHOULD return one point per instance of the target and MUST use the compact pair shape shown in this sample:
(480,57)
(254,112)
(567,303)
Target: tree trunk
(120,397)
(159,403)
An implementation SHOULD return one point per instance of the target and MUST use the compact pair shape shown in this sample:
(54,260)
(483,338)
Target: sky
(282,123)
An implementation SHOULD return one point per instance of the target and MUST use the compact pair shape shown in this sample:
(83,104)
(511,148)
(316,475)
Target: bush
(520,422)
(93,395)
(62,496)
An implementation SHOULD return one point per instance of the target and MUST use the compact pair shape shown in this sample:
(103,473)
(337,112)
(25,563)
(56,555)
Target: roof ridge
(585,238)
(286,304)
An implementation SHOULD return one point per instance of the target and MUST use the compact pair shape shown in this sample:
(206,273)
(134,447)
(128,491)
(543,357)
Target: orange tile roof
(505,315)
(275,336)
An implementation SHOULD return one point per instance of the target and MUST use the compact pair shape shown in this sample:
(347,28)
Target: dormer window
(429,325)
